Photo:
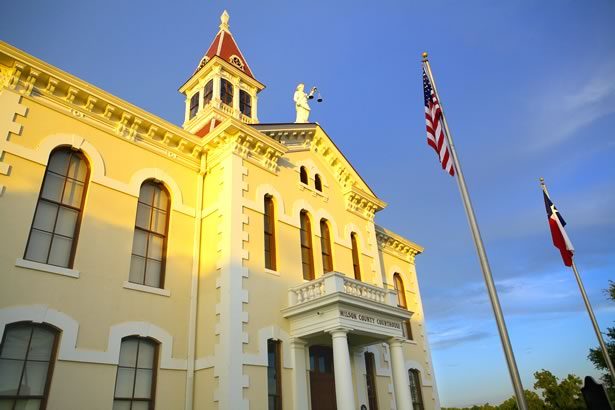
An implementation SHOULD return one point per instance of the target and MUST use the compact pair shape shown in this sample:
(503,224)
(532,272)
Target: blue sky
(529,91)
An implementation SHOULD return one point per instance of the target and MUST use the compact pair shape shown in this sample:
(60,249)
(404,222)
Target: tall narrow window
(269,222)
(415,389)
(27,356)
(245,103)
(325,245)
(401,302)
(317,183)
(53,236)
(194,104)
(208,92)
(274,375)
(307,257)
(150,239)
(370,373)
(356,264)
(135,382)
(226,92)
(303,177)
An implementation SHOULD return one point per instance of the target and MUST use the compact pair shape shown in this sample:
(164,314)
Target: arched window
(303,177)
(317,183)
(194,104)
(208,92)
(135,382)
(269,228)
(150,239)
(245,103)
(307,258)
(54,231)
(415,389)
(27,357)
(226,92)
(398,283)
(325,245)
(356,265)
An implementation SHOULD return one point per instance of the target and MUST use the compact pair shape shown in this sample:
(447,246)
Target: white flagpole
(588,306)
(482,255)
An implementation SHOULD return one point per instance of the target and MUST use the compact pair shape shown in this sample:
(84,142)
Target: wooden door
(322,379)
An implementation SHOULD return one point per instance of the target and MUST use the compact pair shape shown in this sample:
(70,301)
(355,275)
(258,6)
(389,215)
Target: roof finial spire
(224,17)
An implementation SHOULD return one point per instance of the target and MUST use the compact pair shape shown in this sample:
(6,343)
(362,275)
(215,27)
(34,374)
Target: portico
(335,310)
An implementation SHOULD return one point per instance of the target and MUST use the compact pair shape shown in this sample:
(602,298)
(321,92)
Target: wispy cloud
(566,110)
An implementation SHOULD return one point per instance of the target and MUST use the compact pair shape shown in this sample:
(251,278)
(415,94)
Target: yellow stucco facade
(218,305)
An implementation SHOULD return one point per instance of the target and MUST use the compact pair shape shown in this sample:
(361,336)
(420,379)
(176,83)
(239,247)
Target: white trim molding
(68,350)
(146,289)
(43,267)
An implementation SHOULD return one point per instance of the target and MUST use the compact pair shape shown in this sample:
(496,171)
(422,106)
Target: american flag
(435,131)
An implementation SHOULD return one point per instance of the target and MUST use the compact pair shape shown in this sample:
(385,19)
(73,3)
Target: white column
(236,112)
(255,108)
(401,382)
(216,90)
(300,397)
(344,392)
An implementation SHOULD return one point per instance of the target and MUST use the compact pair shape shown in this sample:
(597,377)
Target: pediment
(311,137)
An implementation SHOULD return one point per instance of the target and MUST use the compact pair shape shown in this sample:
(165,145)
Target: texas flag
(557,223)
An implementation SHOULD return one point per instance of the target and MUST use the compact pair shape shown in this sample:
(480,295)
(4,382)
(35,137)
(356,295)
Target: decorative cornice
(61,91)
(232,136)
(397,245)
(362,203)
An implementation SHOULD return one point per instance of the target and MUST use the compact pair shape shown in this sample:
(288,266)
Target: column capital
(297,342)
(339,331)
(396,341)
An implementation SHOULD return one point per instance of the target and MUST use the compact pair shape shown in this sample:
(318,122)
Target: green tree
(595,354)
(533,400)
(559,395)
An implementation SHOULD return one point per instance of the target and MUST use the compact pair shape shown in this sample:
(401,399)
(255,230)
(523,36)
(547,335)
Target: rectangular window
(370,370)
(208,92)
(194,104)
(307,258)
(226,92)
(274,375)
(356,265)
(415,389)
(269,229)
(325,242)
(245,103)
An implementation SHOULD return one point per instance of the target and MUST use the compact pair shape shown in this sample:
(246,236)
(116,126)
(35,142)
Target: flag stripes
(435,132)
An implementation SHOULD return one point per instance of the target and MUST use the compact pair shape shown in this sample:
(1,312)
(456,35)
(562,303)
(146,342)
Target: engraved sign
(362,317)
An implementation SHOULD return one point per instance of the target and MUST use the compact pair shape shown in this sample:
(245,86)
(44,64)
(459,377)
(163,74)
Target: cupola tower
(222,86)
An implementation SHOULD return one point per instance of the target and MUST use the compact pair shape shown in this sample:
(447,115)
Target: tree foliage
(595,354)
(559,395)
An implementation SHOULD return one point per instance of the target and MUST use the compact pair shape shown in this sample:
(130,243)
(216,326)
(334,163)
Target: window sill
(147,289)
(43,267)
(272,272)
(314,191)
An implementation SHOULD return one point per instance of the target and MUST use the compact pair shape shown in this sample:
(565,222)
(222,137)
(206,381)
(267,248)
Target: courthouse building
(221,264)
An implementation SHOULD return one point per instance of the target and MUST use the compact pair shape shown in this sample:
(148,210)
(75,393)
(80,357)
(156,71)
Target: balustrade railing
(334,282)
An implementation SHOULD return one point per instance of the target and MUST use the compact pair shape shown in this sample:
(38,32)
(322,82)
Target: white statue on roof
(301,104)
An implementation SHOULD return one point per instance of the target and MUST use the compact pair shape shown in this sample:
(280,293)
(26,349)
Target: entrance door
(322,379)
